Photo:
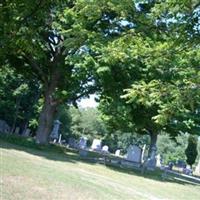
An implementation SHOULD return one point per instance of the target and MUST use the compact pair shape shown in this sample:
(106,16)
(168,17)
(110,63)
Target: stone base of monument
(151,164)
(83,153)
(115,161)
(169,174)
(130,164)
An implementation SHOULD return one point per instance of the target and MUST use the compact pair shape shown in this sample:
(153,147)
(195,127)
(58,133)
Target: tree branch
(35,66)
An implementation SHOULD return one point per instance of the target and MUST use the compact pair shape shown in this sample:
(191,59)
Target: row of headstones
(180,164)
(134,153)
(5,128)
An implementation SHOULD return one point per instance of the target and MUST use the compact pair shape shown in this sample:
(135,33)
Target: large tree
(43,39)
(157,59)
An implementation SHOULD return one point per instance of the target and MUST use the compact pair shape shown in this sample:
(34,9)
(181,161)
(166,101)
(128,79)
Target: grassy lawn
(29,173)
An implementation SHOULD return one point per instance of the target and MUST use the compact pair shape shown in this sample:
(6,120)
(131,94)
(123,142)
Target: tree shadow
(50,152)
(153,175)
(64,154)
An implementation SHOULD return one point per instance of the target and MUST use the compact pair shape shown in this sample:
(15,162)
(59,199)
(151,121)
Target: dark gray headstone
(83,153)
(55,132)
(72,142)
(17,129)
(27,132)
(151,162)
(4,127)
(134,153)
(82,143)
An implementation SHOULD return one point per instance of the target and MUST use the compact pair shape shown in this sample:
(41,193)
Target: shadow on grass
(154,175)
(50,151)
(63,154)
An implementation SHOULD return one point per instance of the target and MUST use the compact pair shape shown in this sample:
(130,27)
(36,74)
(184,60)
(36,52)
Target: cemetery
(57,171)
(100,100)
(133,159)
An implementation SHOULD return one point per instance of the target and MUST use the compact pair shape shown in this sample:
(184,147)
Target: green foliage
(135,49)
(155,71)
(81,122)
(87,122)
(127,139)
(191,150)
(172,149)
(46,40)
(18,96)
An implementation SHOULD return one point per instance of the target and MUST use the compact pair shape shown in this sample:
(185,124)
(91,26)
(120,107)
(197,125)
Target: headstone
(117,152)
(187,171)
(134,153)
(72,142)
(170,165)
(143,153)
(105,149)
(27,132)
(55,132)
(4,128)
(82,143)
(83,153)
(158,160)
(96,144)
(197,168)
(60,138)
(181,164)
(17,129)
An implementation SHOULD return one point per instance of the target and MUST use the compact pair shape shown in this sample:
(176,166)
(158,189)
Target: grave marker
(96,144)
(134,153)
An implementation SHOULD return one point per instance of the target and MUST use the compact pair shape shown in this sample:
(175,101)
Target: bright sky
(90,102)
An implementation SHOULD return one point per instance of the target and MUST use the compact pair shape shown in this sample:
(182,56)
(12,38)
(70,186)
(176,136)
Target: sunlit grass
(28,173)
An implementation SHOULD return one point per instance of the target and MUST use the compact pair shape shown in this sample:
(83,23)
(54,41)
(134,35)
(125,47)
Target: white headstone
(197,168)
(143,153)
(158,159)
(134,153)
(117,152)
(82,143)
(96,144)
(105,149)
(60,138)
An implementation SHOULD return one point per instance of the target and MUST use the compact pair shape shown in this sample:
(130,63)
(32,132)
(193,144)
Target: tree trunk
(45,123)
(18,100)
(150,163)
(48,110)
(152,148)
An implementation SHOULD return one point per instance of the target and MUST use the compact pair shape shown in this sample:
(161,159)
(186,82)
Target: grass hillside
(45,174)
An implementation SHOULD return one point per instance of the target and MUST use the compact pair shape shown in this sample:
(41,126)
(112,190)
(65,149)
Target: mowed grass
(28,173)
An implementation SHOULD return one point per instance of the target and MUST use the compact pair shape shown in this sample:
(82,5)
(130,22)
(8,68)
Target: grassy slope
(42,174)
